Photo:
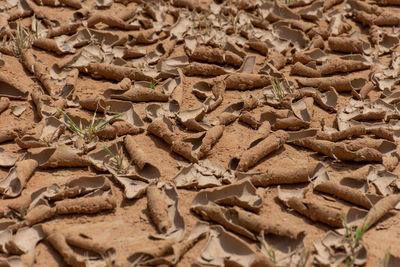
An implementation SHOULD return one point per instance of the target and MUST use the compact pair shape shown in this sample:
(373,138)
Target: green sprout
(353,238)
(276,85)
(23,39)
(153,84)
(270,251)
(90,131)
(118,158)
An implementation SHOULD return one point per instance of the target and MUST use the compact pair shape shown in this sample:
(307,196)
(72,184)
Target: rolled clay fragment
(302,70)
(49,45)
(58,241)
(349,194)
(212,136)
(12,88)
(385,18)
(382,207)
(158,208)
(85,205)
(330,3)
(233,59)
(141,94)
(12,185)
(135,152)
(28,60)
(66,29)
(340,65)
(4,103)
(39,214)
(111,21)
(7,135)
(72,3)
(342,84)
(276,176)
(244,81)
(256,224)
(344,134)
(160,129)
(44,77)
(347,45)
(248,118)
(208,54)
(251,156)
(259,46)
(277,60)
(184,149)
(116,73)
(189,4)
(203,69)
(364,91)
(291,123)
(88,244)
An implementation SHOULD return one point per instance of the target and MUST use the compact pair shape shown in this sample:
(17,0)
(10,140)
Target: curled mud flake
(6,160)
(184,149)
(259,46)
(278,175)
(381,208)
(245,81)
(208,55)
(210,139)
(43,76)
(280,11)
(52,46)
(7,135)
(308,56)
(203,69)
(291,123)
(158,208)
(312,12)
(273,142)
(25,240)
(84,205)
(332,66)
(4,104)
(344,134)
(116,73)
(302,70)
(12,185)
(111,21)
(11,87)
(348,45)
(39,214)
(63,30)
(139,94)
(161,129)
(201,175)
(330,3)
(242,194)
(135,152)
(62,156)
(342,84)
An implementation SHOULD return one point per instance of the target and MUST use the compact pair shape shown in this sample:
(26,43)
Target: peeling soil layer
(199,133)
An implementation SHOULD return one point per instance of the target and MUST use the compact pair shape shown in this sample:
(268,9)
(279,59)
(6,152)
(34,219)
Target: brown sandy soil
(199,133)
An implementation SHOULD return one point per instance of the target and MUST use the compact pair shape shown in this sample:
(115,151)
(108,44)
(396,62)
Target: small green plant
(90,131)
(270,251)
(153,84)
(23,39)
(119,158)
(353,238)
(276,85)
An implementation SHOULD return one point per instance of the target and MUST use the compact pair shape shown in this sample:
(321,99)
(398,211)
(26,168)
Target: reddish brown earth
(315,83)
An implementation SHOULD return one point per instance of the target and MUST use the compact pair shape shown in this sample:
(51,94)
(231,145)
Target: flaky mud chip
(9,87)
(323,184)
(250,157)
(116,73)
(6,160)
(62,156)
(203,69)
(245,81)
(157,206)
(4,104)
(242,194)
(12,185)
(25,240)
(201,175)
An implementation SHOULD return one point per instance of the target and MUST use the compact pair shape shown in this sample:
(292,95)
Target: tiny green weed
(119,158)
(90,131)
(353,238)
